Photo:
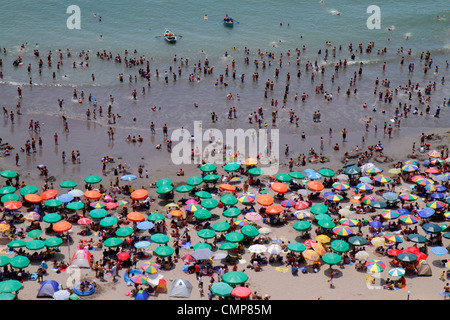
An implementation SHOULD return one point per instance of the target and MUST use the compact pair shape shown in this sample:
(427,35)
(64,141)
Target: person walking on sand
(330,281)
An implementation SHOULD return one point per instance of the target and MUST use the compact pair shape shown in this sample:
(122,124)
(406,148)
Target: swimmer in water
(205,17)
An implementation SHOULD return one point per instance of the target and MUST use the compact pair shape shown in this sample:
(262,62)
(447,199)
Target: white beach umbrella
(274,249)
(362,255)
(257,248)
(61,295)
(76,193)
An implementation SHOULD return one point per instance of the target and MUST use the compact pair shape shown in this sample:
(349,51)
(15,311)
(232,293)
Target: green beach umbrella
(17,244)
(7,190)
(159,238)
(378,204)
(331,258)
(357,240)
(203,194)
(164,251)
(235,277)
(323,216)
(228,246)
(4,260)
(155,217)
(194,181)
(221,226)
(34,233)
(68,184)
(35,245)
(10,197)
(326,224)
(232,212)
(296,246)
(234,237)
(112,242)
(164,189)
(27,190)
(297,175)
(9,286)
(352,170)
(98,213)
(326,172)
(211,178)
(202,214)
(19,262)
(9,174)
(418,238)
(108,222)
(184,188)
(340,245)
(319,208)
(164,182)
(406,257)
(53,242)
(124,232)
(76,205)
(208,167)
(283,177)
(255,172)
(53,203)
(206,233)
(302,225)
(232,166)
(92,179)
(209,203)
(202,245)
(7,296)
(221,289)
(250,231)
(228,200)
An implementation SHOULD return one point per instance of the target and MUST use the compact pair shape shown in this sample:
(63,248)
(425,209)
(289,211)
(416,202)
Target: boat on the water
(228,21)
(170,37)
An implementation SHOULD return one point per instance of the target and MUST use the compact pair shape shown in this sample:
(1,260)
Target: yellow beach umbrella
(311,255)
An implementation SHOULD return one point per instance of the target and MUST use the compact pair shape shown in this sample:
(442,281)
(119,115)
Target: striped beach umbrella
(241,222)
(375,266)
(408,219)
(408,197)
(367,199)
(378,241)
(397,272)
(348,222)
(434,154)
(302,214)
(288,203)
(342,230)
(364,187)
(334,198)
(393,238)
(424,182)
(382,178)
(341,186)
(436,205)
(410,168)
(395,171)
(374,170)
(389,214)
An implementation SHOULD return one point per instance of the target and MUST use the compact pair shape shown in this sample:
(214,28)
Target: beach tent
(82,259)
(142,295)
(48,288)
(181,288)
(161,287)
(423,268)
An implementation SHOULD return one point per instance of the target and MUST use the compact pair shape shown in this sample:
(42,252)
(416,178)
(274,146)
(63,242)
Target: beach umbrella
(274,249)
(296,246)
(319,208)
(221,226)
(308,243)
(164,189)
(231,167)
(92,179)
(12,205)
(288,203)
(202,214)
(407,197)
(436,205)
(432,170)
(357,240)
(123,255)
(4,261)
(206,233)
(98,213)
(9,286)
(426,212)
(32,216)
(139,194)
(19,262)
(352,170)
(241,222)
(326,172)
(7,190)
(92,194)
(163,182)
(406,257)
(315,185)
(69,184)
(159,238)
(390,196)
(232,212)
(438,196)
(374,170)
(296,175)
(434,154)
(264,200)
(364,187)
(17,244)
(203,194)
(145,225)
(112,242)
(128,177)
(300,205)
(251,162)
(283,177)
(255,172)
(424,182)
(62,226)
(65,198)
(362,255)
(331,258)
(348,222)
(76,193)
(53,242)
(257,248)
(390,214)
(53,203)
(250,231)
(235,277)
(221,289)
(367,199)
(135,216)
(35,244)
(52,218)
(124,232)
(279,187)
(208,167)
(313,175)
(155,217)
(202,254)
(108,222)
(341,186)
(397,272)
(410,168)
(27,190)
(326,224)
(34,233)
(150,268)
(230,200)
(323,216)
(408,219)
(439,251)
(194,181)
(274,209)
(381,178)
(4,227)
(311,255)
(334,198)
(375,266)
(302,225)
(211,178)
(8,174)
(378,241)
(442,177)
(431,228)
(345,212)
(234,237)
(192,207)
(393,238)
(188,258)
(376,224)
(323,238)
(395,171)
(418,238)
(378,204)
(49,194)
(342,231)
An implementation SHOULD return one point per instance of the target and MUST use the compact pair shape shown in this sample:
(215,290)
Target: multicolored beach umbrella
(300,205)
(390,214)
(382,178)
(367,199)
(374,171)
(424,182)
(410,168)
(375,266)
(408,197)
(348,222)
(342,230)
(436,205)
(364,187)
(288,203)
(393,238)
(341,186)
(408,219)
(302,214)
(334,198)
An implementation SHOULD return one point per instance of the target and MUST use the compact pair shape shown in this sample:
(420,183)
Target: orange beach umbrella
(49,194)
(139,194)
(33,198)
(135,216)
(62,226)
(92,194)
(279,187)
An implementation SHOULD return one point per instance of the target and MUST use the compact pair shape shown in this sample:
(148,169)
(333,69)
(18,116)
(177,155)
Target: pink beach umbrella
(191,201)
(253,216)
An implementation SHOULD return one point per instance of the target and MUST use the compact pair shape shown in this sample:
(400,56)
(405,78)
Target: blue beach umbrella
(65,197)
(426,212)
(313,175)
(142,244)
(376,224)
(437,196)
(128,177)
(145,225)
(439,251)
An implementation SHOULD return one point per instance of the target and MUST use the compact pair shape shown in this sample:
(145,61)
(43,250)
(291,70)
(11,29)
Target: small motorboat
(170,37)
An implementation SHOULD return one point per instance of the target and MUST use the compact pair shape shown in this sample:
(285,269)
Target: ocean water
(269,26)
